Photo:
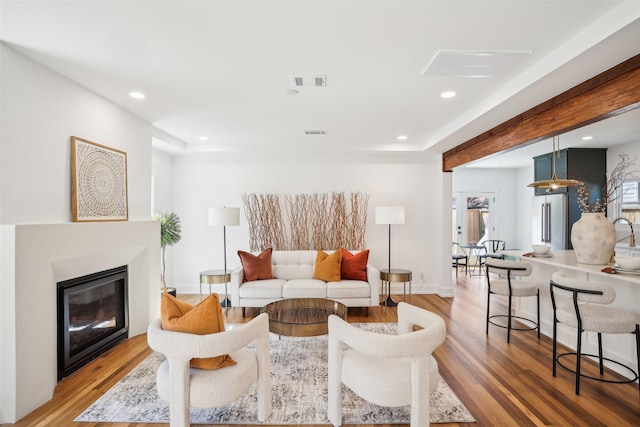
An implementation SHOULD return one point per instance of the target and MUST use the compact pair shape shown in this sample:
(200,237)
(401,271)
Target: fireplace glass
(92,317)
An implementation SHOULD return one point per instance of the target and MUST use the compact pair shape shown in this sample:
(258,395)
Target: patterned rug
(299,393)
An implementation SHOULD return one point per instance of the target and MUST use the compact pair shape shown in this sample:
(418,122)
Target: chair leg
(638,352)
(538,319)
(600,361)
(555,344)
(578,360)
(456,268)
(488,304)
(509,321)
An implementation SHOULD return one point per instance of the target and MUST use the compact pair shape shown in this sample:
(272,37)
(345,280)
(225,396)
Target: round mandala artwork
(101,183)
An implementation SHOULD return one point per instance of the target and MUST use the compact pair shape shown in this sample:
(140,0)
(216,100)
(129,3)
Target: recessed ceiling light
(587,138)
(137,95)
(402,137)
(292,92)
(448,94)
(203,138)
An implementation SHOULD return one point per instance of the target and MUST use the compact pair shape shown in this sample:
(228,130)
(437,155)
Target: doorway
(473,217)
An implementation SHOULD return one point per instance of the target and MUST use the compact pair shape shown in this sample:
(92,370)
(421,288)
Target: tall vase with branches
(170,234)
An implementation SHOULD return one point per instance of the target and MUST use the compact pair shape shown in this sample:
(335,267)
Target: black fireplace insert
(92,317)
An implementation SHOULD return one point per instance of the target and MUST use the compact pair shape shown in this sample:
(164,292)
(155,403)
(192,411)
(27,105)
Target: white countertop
(567,259)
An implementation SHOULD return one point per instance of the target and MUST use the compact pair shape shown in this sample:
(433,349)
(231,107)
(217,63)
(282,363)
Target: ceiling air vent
(310,81)
(474,63)
(315,132)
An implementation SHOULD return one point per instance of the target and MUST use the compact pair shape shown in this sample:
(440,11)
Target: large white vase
(593,238)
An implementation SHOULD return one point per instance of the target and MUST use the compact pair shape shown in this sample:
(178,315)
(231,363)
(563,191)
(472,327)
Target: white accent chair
(386,370)
(184,387)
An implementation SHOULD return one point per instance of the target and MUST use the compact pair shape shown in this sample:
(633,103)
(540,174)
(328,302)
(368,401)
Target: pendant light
(554,182)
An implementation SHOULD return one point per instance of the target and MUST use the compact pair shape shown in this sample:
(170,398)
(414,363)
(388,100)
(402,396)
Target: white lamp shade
(390,215)
(224,216)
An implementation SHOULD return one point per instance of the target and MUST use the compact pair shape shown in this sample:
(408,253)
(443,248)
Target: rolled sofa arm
(373,277)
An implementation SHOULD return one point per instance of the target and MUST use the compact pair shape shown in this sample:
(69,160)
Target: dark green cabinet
(584,164)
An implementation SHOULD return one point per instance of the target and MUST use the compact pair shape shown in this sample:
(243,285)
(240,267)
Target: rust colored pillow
(256,267)
(204,318)
(354,267)
(327,266)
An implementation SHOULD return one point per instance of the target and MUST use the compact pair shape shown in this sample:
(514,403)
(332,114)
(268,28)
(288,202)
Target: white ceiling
(223,69)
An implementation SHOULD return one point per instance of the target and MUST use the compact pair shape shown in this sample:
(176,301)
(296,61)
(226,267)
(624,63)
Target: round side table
(394,275)
(212,277)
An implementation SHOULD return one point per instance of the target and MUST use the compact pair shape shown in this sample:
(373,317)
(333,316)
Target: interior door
(473,217)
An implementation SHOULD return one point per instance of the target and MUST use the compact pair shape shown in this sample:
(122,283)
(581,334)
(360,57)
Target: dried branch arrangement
(265,222)
(315,222)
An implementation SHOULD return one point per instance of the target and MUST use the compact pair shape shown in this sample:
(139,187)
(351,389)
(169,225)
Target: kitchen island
(627,286)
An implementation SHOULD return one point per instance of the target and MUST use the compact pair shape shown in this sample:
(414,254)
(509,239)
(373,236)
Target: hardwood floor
(501,384)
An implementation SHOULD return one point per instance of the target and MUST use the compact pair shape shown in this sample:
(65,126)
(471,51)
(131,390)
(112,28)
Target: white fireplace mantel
(34,257)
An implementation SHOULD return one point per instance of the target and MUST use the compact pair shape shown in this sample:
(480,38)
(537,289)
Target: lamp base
(389,302)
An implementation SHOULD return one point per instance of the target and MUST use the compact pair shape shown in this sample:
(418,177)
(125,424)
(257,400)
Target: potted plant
(170,234)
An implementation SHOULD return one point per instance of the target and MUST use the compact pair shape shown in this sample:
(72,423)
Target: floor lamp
(389,215)
(225,217)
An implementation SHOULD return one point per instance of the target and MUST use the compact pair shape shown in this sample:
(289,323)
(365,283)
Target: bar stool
(511,288)
(594,317)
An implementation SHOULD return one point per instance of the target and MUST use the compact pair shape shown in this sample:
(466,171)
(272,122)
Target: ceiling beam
(608,94)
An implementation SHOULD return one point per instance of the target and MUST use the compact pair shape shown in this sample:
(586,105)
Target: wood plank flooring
(501,384)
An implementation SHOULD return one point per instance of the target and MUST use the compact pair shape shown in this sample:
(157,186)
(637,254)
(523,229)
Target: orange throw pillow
(205,318)
(327,267)
(354,267)
(256,267)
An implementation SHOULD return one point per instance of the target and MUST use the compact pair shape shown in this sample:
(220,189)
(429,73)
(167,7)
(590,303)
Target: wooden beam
(608,94)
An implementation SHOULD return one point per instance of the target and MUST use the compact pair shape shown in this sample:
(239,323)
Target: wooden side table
(394,275)
(212,277)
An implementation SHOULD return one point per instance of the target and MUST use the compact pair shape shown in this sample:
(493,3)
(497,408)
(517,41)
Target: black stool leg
(538,320)
(555,344)
(638,352)
(600,354)
(509,322)
(488,305)
(578,359)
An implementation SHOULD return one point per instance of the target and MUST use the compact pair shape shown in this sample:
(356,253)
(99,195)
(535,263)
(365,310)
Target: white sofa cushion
(304,288)
(290,265)
(348,289)
(268,288)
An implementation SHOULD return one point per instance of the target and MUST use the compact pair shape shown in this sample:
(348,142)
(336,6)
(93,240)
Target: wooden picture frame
(98,182)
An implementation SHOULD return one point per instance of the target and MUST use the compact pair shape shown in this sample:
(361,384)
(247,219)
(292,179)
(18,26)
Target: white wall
(39,112)
(412,180)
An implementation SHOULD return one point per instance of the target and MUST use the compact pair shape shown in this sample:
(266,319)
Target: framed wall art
(98,182)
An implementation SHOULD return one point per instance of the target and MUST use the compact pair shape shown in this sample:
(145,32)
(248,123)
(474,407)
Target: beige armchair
(184,387)
(387,370)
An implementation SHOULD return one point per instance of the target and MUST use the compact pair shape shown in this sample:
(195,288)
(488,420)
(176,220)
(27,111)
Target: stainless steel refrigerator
(550,221)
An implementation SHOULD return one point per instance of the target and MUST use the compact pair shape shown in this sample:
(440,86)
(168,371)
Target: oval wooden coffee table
(302,317)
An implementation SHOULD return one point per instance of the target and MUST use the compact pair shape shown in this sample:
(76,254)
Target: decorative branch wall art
(98,182)
(316,221)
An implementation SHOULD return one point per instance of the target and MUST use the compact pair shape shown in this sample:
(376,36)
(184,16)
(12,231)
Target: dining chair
(460,257)
(492,248)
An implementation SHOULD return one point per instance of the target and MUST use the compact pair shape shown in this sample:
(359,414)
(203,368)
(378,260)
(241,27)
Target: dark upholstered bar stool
(569,298)
(511,287)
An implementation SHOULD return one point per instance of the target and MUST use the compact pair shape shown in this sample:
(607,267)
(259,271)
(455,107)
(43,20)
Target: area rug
(299,393)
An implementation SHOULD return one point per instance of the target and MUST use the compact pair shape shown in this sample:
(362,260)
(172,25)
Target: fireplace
(92,317)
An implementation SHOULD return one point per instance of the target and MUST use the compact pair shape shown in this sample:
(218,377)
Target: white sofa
(293,272)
